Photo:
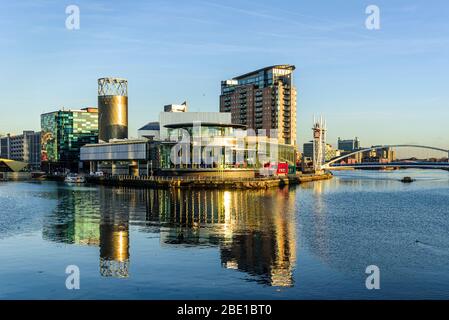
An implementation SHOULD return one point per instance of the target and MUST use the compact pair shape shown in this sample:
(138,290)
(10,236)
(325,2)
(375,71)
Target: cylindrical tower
(112,109)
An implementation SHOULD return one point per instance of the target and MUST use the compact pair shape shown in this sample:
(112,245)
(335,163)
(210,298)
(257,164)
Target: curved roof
(205,124)
(151,126)
(13,165)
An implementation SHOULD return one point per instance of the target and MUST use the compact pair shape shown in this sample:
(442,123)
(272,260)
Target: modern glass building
(63,133)
(218,146)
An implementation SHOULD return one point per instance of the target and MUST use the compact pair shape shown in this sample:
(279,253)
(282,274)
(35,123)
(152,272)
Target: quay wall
(206,182)
(15,176)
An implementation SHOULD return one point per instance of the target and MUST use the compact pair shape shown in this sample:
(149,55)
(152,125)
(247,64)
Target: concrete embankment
(15,176)
(206,183)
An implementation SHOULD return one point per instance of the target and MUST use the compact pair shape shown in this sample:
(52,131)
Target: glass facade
(63,133)
(220,147)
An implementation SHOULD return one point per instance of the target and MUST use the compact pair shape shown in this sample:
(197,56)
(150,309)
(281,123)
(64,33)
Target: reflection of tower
(114,235)
(112,109)
(319,143)
(114,250)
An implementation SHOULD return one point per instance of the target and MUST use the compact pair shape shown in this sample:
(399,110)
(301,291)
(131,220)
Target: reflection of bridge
(430,165)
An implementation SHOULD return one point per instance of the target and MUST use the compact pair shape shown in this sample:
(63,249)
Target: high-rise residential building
(63,133)
(24,147)
(263,99)
(349,145)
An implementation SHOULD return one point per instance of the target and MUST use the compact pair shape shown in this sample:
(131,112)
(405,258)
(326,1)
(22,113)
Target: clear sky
(384,86)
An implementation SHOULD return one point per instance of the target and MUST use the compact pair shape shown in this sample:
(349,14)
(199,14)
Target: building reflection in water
(255,231)
(114,235)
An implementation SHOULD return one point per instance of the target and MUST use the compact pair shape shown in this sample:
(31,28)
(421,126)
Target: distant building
(263,99)
(308,150)
(329,152)
(385,155)
(24,147)
(150,131)
(4,147)
(350,145)
(64,132)
(176,107)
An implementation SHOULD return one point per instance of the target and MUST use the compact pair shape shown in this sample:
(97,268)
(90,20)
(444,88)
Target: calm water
(312,241)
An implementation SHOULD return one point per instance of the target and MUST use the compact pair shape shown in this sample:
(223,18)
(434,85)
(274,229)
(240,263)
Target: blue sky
(384,86)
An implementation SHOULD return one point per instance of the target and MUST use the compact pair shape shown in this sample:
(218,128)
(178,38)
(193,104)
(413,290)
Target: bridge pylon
(319,143)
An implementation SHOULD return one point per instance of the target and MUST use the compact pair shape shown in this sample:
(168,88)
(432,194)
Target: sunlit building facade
(24,147)
(189,149)
(263,99)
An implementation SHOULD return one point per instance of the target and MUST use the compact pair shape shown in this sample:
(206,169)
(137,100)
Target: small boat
(407,180)
(74,178)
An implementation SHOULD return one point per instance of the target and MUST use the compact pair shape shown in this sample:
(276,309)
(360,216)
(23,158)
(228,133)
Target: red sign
(282,168)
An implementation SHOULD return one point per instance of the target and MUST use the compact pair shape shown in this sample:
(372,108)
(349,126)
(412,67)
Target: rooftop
(279,66)
(151,126)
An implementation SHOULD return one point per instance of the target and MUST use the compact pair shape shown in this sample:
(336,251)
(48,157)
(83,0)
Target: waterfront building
(210,144)
(263,99)
(24,147)
(208,149)
(217,146)
(118,157)
(63,133)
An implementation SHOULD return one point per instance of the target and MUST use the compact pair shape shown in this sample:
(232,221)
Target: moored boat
(74,178)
